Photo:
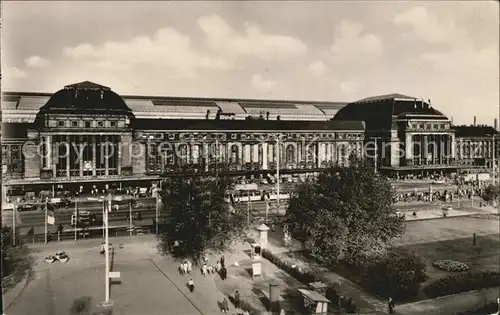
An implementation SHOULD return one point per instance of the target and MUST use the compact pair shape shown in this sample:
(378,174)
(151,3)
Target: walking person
(218,266)
(191,285)
(184,268)
(222,262)
(204,269)
(225,306)
(103,248)
(237,299)
(390,304)
(223,273)
(189,266)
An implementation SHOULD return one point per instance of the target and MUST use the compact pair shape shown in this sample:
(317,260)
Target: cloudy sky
(318,50)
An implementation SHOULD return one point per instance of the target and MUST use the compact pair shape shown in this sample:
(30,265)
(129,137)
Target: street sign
(114,274)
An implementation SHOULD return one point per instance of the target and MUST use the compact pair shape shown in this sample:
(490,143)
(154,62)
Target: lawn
(482,257)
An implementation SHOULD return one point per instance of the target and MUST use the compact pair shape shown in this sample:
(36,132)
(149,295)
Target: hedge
(306,277)
(463,282)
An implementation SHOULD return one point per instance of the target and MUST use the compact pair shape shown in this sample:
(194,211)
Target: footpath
(371,305)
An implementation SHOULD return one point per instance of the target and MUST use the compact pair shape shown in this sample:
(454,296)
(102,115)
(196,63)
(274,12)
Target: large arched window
(234,154)
(290,154)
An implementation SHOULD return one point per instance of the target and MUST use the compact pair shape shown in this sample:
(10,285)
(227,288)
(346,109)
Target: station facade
(86,134)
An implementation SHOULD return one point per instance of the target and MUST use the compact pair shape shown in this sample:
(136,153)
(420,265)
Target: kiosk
(314,303)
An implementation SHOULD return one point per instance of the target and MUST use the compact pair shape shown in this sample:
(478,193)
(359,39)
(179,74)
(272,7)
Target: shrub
(398,274)
(304,276)
(462,282)
(450,265)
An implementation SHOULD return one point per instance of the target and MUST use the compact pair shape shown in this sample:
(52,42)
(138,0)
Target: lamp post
(106,248)
(14,209)
(76,217)
(130,216)
(46,218)
(157,210)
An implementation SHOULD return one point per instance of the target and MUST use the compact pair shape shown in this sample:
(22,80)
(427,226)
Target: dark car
(27,207)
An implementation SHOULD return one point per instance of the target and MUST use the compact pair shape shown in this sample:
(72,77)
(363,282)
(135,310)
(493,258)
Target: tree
(491,193)
(346,215)
(17,263)
(199,219)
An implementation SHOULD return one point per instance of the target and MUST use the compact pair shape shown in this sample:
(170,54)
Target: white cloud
(14,73)
(262,84)
(318,68)
(166,48)
(221,37)
(36,62)
(352,44)
(349,87)
(428,27)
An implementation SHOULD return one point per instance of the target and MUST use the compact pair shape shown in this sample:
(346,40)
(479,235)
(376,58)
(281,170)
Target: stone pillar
(206,155)
(48,145)
(68,147)
(106,154)
(452,139)
(94,158)
(264,155)
(255,153)
(408,148)
(426,147)
(320,154)
(119,159)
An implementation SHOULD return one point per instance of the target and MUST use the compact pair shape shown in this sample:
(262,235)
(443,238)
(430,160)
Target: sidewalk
(450,304)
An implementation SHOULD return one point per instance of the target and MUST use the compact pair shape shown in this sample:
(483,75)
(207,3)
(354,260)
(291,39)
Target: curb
(448,217)
(14,293)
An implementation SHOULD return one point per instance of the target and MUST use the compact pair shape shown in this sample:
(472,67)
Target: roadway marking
(178,289)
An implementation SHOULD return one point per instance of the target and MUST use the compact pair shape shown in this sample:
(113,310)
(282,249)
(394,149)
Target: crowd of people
(207,269)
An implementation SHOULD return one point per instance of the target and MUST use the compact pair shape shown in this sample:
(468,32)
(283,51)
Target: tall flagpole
(76,218)
(46,213)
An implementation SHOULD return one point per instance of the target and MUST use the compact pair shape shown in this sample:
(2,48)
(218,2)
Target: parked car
(27,207)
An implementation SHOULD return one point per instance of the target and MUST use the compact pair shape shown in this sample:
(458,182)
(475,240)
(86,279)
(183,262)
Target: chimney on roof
(267,115)
(495,124)
(474,121)
(278,117)
(208,114)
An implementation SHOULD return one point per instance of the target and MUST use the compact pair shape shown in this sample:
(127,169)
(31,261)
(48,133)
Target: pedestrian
(189,266)
(224,273)
(204,269)
(222,261)
(225,306)
(184,268)
(390,304)
(210,270)
(191,285)
(103,248)
(218,266)
(237,299)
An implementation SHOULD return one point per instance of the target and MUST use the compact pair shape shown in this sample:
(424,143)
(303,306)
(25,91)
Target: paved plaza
(150,284)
